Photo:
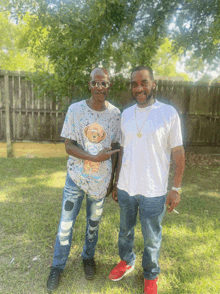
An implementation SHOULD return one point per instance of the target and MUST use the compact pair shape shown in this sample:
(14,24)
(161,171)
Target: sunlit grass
(30,199)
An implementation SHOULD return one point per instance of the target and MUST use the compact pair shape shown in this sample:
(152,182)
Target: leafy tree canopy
(76,35)
(165,62)
(196,29)
(13,56)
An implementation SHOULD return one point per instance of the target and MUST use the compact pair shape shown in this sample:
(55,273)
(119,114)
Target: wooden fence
(31,118)
(28,118)
(199,108)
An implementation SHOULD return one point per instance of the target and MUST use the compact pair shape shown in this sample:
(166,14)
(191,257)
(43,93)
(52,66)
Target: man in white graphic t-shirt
(151,133)
(91,128)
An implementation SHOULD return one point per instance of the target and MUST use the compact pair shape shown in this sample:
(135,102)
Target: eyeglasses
(98,84)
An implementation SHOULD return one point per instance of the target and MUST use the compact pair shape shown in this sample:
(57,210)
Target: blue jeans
(151,212)
(72,201)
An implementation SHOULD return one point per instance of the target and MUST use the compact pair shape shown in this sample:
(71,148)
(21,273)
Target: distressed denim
(71,204)
(151,212)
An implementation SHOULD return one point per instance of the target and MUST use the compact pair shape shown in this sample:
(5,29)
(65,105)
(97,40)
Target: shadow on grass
(30,215)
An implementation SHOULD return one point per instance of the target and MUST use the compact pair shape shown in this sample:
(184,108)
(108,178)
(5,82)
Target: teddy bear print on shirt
(95,134)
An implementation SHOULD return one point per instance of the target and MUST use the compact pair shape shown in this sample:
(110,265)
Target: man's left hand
(173,199)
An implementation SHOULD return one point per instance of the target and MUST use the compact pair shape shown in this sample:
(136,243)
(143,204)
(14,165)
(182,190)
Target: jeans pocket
(154,206)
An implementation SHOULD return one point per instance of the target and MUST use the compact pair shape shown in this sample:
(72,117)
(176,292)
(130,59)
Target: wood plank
(1,116)
(177,97)
(38,121)
(36,110)
(203,99)
(2,128)
(13,105)
(193,98)
(7,118)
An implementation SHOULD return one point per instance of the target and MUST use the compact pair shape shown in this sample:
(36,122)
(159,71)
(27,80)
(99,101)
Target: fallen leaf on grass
(36,258)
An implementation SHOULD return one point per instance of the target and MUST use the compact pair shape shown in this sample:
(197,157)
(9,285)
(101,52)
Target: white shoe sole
(128,272)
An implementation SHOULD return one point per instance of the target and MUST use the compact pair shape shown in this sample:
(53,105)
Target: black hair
(143,67)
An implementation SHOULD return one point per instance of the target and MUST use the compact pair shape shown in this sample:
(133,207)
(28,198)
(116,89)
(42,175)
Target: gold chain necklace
(139,134)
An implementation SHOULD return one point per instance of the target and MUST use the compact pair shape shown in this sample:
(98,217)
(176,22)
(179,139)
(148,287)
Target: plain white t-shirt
(146,160)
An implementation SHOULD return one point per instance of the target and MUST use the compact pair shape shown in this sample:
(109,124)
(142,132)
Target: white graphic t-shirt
(93,131)
(146,160)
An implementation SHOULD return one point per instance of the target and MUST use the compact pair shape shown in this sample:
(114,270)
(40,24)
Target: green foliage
(13,55)
(165,62)
(119,94)
(197,31)
(75,36)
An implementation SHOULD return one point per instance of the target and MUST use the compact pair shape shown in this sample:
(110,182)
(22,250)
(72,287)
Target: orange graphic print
(95,134)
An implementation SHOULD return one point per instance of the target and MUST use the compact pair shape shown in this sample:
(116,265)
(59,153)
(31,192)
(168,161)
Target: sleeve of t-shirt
(68,130)
(175,136)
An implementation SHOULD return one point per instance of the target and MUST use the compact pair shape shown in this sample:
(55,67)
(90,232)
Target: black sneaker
(53,279)
(90,268)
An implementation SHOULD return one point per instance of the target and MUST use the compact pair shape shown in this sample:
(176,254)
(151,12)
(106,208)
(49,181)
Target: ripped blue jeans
(72,201)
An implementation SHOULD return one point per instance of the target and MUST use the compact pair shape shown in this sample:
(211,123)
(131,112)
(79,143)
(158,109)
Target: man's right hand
(104,154)
(115,194)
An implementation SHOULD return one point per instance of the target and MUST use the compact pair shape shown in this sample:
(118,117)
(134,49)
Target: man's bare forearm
(178,155)
(75,151)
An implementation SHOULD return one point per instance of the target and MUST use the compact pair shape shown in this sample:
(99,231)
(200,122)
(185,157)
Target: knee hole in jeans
(65,231)
(93,226)
(68,205)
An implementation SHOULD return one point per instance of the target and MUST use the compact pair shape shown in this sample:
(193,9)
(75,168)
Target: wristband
(178,190)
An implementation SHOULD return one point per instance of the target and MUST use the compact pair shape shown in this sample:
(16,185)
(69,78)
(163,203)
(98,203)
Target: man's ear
(154,85)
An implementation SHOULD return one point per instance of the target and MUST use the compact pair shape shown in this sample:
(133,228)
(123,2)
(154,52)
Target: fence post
(7,117)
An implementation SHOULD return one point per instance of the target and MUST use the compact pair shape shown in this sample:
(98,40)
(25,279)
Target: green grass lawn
(30,199)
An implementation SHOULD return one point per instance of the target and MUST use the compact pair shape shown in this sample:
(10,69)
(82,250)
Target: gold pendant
(139,135)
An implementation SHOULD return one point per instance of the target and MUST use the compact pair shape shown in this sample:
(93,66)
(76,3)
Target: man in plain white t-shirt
(151,132)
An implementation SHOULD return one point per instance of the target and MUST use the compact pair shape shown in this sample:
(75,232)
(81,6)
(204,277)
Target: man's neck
(97,106)
(148,103)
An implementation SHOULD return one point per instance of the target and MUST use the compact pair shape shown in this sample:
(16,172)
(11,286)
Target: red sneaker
(121,270)
(150,286)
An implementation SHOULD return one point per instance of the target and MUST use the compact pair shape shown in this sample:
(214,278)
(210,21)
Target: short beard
(147,99)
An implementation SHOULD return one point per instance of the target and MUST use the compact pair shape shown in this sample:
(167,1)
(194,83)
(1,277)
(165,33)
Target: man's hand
(173,199)
(115,194)
(104,154)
